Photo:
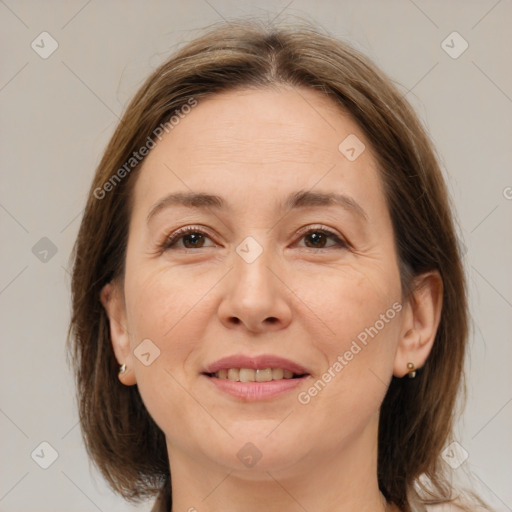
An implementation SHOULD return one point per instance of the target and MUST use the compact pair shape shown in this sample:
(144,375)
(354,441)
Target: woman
(269,303)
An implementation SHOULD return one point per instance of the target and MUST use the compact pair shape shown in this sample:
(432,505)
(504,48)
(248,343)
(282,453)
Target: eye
(192,238)
(317,238)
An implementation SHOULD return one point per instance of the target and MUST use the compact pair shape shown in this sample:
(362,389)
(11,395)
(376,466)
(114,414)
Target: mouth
(255,378)
(255,375)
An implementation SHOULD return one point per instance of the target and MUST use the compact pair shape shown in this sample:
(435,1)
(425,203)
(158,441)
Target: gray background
(58,113)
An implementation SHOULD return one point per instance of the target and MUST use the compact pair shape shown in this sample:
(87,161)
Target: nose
(255,296)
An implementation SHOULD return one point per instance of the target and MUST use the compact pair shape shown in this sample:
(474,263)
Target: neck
(342,481)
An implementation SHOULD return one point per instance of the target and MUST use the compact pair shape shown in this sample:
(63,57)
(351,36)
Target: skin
(298,300)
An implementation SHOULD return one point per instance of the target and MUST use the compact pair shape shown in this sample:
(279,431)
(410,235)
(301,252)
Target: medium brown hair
(417,415)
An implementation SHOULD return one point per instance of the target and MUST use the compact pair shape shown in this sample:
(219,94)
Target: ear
(420,320)
(112,298)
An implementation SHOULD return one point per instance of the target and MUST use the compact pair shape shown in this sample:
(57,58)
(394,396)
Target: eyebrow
(296,200)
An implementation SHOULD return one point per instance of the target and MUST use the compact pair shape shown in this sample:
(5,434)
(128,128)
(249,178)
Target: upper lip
(255,362)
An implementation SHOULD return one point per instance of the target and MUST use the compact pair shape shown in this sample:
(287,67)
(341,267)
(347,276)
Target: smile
(258,375)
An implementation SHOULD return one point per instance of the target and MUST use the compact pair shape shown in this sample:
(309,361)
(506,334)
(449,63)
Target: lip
(255,362)
(256,391)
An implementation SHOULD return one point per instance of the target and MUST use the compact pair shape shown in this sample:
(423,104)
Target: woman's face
(271,274)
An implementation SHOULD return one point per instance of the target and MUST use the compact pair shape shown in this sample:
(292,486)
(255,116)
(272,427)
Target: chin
(256,448)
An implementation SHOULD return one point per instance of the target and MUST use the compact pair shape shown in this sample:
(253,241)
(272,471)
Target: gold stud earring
(122,368)
(412,370)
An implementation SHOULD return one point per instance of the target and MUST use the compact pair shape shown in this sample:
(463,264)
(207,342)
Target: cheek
(158,300)
(353,302)
(364,325)
(162,303)
(164,307)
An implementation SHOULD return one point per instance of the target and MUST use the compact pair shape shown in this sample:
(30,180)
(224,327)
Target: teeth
(264,375)
(234,374)
(250,375)
(247,375)
(277,373)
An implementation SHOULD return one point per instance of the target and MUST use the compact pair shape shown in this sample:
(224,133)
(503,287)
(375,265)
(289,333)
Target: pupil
(317,237)
(193,238)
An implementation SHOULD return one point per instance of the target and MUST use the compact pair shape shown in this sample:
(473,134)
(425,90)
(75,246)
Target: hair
(417,415)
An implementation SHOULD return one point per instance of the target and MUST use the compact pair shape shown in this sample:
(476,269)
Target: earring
(122,368)
(412,370)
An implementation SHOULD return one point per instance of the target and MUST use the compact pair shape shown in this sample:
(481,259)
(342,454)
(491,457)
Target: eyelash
(171,240)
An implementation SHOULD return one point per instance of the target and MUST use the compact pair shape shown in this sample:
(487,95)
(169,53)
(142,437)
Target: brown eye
(193,240)
(190,238)
(318,239)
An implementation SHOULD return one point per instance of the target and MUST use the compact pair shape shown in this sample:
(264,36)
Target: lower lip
(253,391)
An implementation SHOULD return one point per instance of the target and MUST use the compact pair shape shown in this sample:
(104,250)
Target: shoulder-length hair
(416,416)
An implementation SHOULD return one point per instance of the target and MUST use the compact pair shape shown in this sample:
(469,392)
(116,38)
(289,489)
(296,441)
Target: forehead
(298,120)
(258,141)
